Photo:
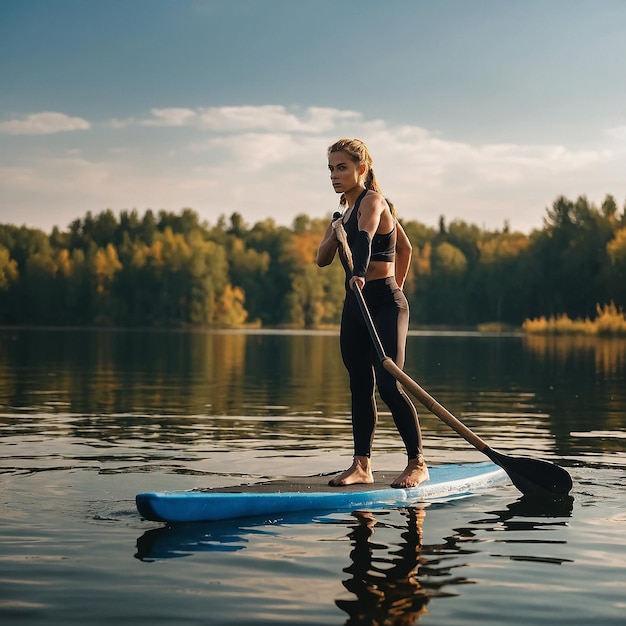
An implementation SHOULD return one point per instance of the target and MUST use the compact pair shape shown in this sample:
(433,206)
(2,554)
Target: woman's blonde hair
(359,153)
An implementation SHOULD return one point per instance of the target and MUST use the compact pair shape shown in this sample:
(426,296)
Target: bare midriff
(379,269)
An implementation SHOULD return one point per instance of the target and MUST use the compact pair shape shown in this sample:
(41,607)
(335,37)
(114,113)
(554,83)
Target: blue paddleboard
(313,494)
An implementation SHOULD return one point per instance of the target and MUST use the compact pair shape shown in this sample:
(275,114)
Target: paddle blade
(532,476)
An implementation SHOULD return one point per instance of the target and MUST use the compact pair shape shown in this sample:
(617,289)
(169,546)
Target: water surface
(89,418)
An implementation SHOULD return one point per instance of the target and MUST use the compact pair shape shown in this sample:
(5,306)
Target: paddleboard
(312,493)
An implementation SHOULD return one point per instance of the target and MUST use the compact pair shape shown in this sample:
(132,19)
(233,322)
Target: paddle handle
(340,233)
(408,383)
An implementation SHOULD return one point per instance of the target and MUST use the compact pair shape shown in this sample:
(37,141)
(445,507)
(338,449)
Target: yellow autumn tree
(230,310)
(104,265)
(8,268)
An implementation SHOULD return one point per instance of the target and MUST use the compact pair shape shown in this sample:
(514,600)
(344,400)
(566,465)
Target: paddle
(530,476)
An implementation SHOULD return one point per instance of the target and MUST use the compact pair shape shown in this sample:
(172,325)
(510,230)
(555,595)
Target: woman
(381,253)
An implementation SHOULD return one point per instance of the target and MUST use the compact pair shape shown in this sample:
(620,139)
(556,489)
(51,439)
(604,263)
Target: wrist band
(361,251)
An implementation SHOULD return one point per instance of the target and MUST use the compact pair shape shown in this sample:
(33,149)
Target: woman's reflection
(387,588)
(392,579)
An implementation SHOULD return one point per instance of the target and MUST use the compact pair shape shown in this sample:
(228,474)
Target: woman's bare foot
(415,473)
(360,472)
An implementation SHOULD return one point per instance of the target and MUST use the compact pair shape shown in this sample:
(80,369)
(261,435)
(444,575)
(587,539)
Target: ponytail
(370,181)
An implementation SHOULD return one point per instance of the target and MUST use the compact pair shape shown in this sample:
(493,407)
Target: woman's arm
(403,255)
(328,248)
(370,213)
(369,218)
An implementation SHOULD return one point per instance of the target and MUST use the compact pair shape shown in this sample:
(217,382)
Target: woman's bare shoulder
(373,201)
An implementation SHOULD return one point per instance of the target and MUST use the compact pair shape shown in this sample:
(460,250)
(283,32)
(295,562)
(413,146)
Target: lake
(90,418)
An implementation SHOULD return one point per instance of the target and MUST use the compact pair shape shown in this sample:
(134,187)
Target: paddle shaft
(416,390)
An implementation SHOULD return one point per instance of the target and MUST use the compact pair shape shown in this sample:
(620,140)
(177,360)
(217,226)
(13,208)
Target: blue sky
(480,110)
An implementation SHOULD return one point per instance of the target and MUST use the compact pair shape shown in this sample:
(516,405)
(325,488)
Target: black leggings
(390,313)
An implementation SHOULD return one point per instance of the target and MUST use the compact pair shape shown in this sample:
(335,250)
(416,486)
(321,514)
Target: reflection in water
(177,387)
(579,383)
(175,541)
(392,574)
(529,514)
(541,507)
(609,353)
(173,372)
(383,579)
(89,418)
(385,583)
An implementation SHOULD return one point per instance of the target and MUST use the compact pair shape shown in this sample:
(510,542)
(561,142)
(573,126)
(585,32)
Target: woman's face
(344,172)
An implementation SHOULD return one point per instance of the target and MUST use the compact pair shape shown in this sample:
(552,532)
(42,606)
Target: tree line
(173,270)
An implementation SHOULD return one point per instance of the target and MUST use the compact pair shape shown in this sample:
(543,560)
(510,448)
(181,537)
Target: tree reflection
(608,353)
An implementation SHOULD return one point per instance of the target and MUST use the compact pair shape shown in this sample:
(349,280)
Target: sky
(477,110)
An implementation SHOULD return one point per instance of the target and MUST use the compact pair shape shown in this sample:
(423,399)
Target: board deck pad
(313,493)
(318,482)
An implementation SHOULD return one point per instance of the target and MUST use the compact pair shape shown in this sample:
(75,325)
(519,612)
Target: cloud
(618,133)
(270,161)
(406,155)
(45,123)
(235,119)
(171,117)
(273,118)
(65,174)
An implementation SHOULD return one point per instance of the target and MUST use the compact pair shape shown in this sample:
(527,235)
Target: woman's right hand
(358,280)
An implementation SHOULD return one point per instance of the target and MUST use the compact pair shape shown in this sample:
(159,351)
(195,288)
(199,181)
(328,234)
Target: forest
(173,270)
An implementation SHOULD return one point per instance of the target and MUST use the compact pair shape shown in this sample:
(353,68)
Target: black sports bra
(383,246)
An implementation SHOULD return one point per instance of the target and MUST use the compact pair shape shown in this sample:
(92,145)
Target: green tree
(616,250)
(148,229)
(446,297)
(176,270)
(248,270)
(572,259)
(500,275)
(266,237)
